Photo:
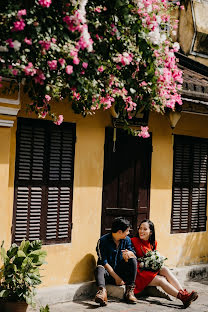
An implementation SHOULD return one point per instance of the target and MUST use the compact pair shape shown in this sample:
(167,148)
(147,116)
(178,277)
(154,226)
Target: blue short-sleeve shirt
(107,251)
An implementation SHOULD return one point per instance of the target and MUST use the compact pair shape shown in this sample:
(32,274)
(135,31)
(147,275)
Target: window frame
(180,139)
(46,183)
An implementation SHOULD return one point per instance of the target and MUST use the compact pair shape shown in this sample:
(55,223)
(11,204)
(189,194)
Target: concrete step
(75,292)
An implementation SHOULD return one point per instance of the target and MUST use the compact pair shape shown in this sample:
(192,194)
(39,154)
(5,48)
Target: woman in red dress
(144,242)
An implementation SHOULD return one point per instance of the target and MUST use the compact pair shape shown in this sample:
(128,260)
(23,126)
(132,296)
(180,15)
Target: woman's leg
(171,278)
(166,286)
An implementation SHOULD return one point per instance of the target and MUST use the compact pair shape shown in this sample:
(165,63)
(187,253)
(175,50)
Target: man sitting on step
(117,263)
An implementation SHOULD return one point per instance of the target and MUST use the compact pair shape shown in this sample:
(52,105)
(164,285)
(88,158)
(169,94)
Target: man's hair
(119,224)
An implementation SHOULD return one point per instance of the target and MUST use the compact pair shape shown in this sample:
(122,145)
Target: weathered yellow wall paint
(182,248)
(75,262)
(5,208)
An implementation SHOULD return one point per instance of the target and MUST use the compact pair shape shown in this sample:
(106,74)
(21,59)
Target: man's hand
(127,254)
(118,280)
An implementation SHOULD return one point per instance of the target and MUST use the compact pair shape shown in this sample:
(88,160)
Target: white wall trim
(8,111)
(10,101)
(6,123)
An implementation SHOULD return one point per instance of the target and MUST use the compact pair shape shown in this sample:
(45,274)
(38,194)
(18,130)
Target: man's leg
(127,271)
(101,295)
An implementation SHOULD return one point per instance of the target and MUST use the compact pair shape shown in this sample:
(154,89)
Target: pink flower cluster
(77,22)
(169,78)
(124,59)
(45,44)
(59,120)
(144,132)
(19,25)
(45,3)
(40,77)
(30,70)
(52,64)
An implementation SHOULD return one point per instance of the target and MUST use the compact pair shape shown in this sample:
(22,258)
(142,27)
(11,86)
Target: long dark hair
(152,234)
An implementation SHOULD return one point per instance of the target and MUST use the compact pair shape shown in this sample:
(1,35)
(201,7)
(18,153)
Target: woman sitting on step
(144,242)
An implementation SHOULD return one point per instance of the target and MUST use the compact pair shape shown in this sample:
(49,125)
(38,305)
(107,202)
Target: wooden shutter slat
(22,202)
(189,184)
(43,181)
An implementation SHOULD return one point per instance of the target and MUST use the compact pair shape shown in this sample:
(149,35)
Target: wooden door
(126,179)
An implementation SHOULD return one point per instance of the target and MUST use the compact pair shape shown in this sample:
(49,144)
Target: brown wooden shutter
(189,184)
(43,181)
(60,183)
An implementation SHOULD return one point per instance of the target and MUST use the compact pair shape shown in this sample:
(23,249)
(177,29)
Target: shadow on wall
(83,270)
(194,249)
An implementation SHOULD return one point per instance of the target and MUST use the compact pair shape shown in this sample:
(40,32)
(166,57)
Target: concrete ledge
(191,272)
(75,292)
(65,293)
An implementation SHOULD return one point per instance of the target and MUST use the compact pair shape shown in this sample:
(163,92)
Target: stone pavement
(145,304)
(79,297)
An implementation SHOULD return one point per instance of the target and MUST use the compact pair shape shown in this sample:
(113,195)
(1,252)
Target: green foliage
(46,309)
(122,52)
(20,274)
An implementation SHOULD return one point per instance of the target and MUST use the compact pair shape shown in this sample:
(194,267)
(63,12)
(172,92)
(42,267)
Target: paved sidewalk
(145,304)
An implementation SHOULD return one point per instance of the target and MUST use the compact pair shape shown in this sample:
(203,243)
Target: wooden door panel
(126,179)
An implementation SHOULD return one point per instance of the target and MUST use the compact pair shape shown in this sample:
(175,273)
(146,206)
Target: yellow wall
(183,248)
(75,262)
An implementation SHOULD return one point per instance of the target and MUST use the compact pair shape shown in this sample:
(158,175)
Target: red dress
(143,277)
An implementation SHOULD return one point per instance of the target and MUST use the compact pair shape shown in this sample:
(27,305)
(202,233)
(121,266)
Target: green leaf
(4,293)
(21,254)
(4,256)
(45,309)
(12,251)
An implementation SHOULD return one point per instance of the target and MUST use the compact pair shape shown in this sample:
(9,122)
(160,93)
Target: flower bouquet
(151,261)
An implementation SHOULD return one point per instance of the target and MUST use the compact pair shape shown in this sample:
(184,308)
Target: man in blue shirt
(117,262)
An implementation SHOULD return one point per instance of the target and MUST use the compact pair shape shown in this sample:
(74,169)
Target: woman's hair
(152,234)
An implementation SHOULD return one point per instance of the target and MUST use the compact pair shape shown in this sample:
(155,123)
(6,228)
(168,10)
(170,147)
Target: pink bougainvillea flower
(62,62)
(52,64)
(143,84)
(21,12)
(76,60)
(40,77)
(44,114)
(69,69)
(30,70)
(59,120)
(19,25)
(15,72)
(28,41)
(45,44)
(10,43)
(97,9)
(85,65)
(47,97)
(144,132)
(101,68)
(73,53)
(45,3)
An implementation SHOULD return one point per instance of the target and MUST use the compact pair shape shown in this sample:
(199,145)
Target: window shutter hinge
(152,148)
(75,139)
(71,226)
